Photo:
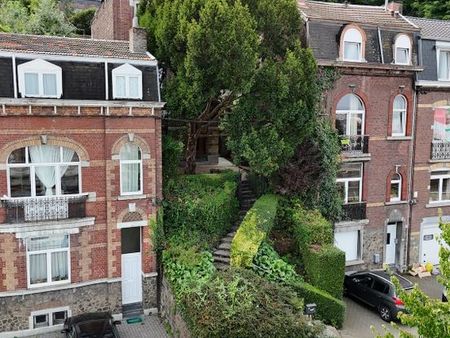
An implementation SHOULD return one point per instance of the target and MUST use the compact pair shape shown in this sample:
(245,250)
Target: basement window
(48,317)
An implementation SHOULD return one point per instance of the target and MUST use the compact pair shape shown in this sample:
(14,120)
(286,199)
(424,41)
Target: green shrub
(329,309)
(172,151)
(325,268)
(267,263)
(241,304)
(253,230)
(200,208)
(258,184)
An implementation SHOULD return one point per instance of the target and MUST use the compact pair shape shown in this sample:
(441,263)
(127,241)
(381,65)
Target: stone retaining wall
(170,314)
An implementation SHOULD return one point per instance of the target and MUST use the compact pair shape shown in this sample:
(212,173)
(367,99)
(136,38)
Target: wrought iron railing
(52,208)
(355,144)
(440,150)
(354,211)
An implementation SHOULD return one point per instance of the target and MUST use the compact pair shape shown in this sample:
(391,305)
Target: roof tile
(432,28)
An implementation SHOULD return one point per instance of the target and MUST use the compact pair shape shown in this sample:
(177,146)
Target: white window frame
(39,67)
(359,244)
(401,111)
(49,313)
(397,181)
(141,176)
(33,166)
(127,71)
(441,180)
(402,41)
(354,36)
(350,112)
(48,253)
(352,179)
(442,47)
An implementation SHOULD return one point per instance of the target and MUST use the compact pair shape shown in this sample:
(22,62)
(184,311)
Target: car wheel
(385,313)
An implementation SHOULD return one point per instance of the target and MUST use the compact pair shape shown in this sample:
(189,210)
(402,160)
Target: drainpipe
(381,44)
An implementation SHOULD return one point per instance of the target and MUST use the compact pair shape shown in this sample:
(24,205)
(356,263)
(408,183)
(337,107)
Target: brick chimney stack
(138,40)
(394,7)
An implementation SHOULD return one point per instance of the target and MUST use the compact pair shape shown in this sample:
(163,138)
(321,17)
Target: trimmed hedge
(257,223)
(325,268)
(329,309)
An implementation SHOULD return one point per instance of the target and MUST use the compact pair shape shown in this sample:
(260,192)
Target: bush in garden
(253,230)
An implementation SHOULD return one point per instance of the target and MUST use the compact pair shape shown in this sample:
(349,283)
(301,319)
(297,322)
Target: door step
(132,310)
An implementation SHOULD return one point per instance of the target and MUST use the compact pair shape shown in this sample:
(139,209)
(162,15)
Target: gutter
(381,45)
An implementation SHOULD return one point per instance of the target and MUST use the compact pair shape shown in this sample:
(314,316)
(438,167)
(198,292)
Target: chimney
(394,7)
(138,40)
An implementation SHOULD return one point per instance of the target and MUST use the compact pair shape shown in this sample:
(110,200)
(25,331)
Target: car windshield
(95,329)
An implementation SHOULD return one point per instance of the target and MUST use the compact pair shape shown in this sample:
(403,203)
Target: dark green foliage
(242,304)
(200,208)
(268,264)
(253,230)
(325,268)
(82,20)
(260,185)
(329,309)
(172,150)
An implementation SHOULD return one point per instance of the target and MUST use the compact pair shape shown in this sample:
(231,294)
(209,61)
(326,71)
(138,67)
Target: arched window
(130,170)
(402,50)
(399,116)
(396,188)
(43,170)
(39,78)
(352,45)
(350,116)
(127,82)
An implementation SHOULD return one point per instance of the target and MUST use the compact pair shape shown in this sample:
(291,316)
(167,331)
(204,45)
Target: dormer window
(353,48)
(39,78)
(127,82)
(402,50)
(444,65)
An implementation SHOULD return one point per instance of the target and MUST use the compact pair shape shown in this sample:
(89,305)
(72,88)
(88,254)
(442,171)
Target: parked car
(445,295)
(91,325)
(376,290)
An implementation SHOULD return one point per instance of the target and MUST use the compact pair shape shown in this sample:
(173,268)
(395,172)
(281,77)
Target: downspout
(381,45)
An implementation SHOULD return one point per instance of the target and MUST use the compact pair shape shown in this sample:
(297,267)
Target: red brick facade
(113,20)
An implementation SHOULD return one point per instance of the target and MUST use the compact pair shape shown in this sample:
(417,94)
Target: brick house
(372,104)
(431,183)
(80,172)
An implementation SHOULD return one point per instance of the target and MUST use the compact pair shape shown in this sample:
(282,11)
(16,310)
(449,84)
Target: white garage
(429,244)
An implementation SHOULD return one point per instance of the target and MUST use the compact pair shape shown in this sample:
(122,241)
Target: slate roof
(53,45)
(432,29)
(373,15)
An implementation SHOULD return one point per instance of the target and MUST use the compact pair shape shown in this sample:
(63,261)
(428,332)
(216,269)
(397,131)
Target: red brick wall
(95,251)
(113,20)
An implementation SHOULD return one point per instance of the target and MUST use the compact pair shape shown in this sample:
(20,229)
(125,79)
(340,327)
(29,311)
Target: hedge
(329,309)
(253,230)
(325,268)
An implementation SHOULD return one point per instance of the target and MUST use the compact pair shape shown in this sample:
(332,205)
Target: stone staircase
(221,254)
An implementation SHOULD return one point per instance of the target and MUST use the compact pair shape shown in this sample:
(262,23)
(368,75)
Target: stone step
(231,234)
(222,266)
(222,253)
(226,240)
(225,245)
(222,259)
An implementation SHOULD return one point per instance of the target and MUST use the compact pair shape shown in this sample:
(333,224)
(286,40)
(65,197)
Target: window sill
(399,138)
(395,202)
(355,262)
(439,161)
(438,204)
(48,285)
(131,197)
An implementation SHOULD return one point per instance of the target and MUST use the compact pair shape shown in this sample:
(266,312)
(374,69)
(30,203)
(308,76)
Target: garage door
(430,244)
(348,242)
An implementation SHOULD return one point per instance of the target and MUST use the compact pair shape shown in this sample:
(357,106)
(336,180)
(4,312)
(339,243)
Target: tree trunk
(191,149)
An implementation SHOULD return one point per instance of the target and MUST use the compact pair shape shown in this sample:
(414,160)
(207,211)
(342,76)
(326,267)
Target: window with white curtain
(350,115)
(396,188)
(350,243)
(48,260)
(349,182)
(399,116)
(443,64)
(402,50)
(130,170)
(43,170)
(39,78)
(127,82)
(352,45)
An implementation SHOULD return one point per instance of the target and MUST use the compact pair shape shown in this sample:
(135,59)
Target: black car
(376,289)
(91,325)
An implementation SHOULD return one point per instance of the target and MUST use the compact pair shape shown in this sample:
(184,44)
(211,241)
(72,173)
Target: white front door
(430,245)
(391,243)
(131,278)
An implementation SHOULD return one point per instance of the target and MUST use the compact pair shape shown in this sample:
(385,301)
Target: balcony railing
(37,209)
(354,211)
(440,150)
(355,144)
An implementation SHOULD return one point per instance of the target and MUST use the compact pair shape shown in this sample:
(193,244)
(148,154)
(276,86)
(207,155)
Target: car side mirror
(117,322)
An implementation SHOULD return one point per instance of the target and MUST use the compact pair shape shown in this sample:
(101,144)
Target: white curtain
(133,86)
(38,268)
(130,157)
(49,84)
(59,266)
(31,84)
(120,86)
(397,122)
(67,155)
(46,174)
(443,65)
(352,51)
